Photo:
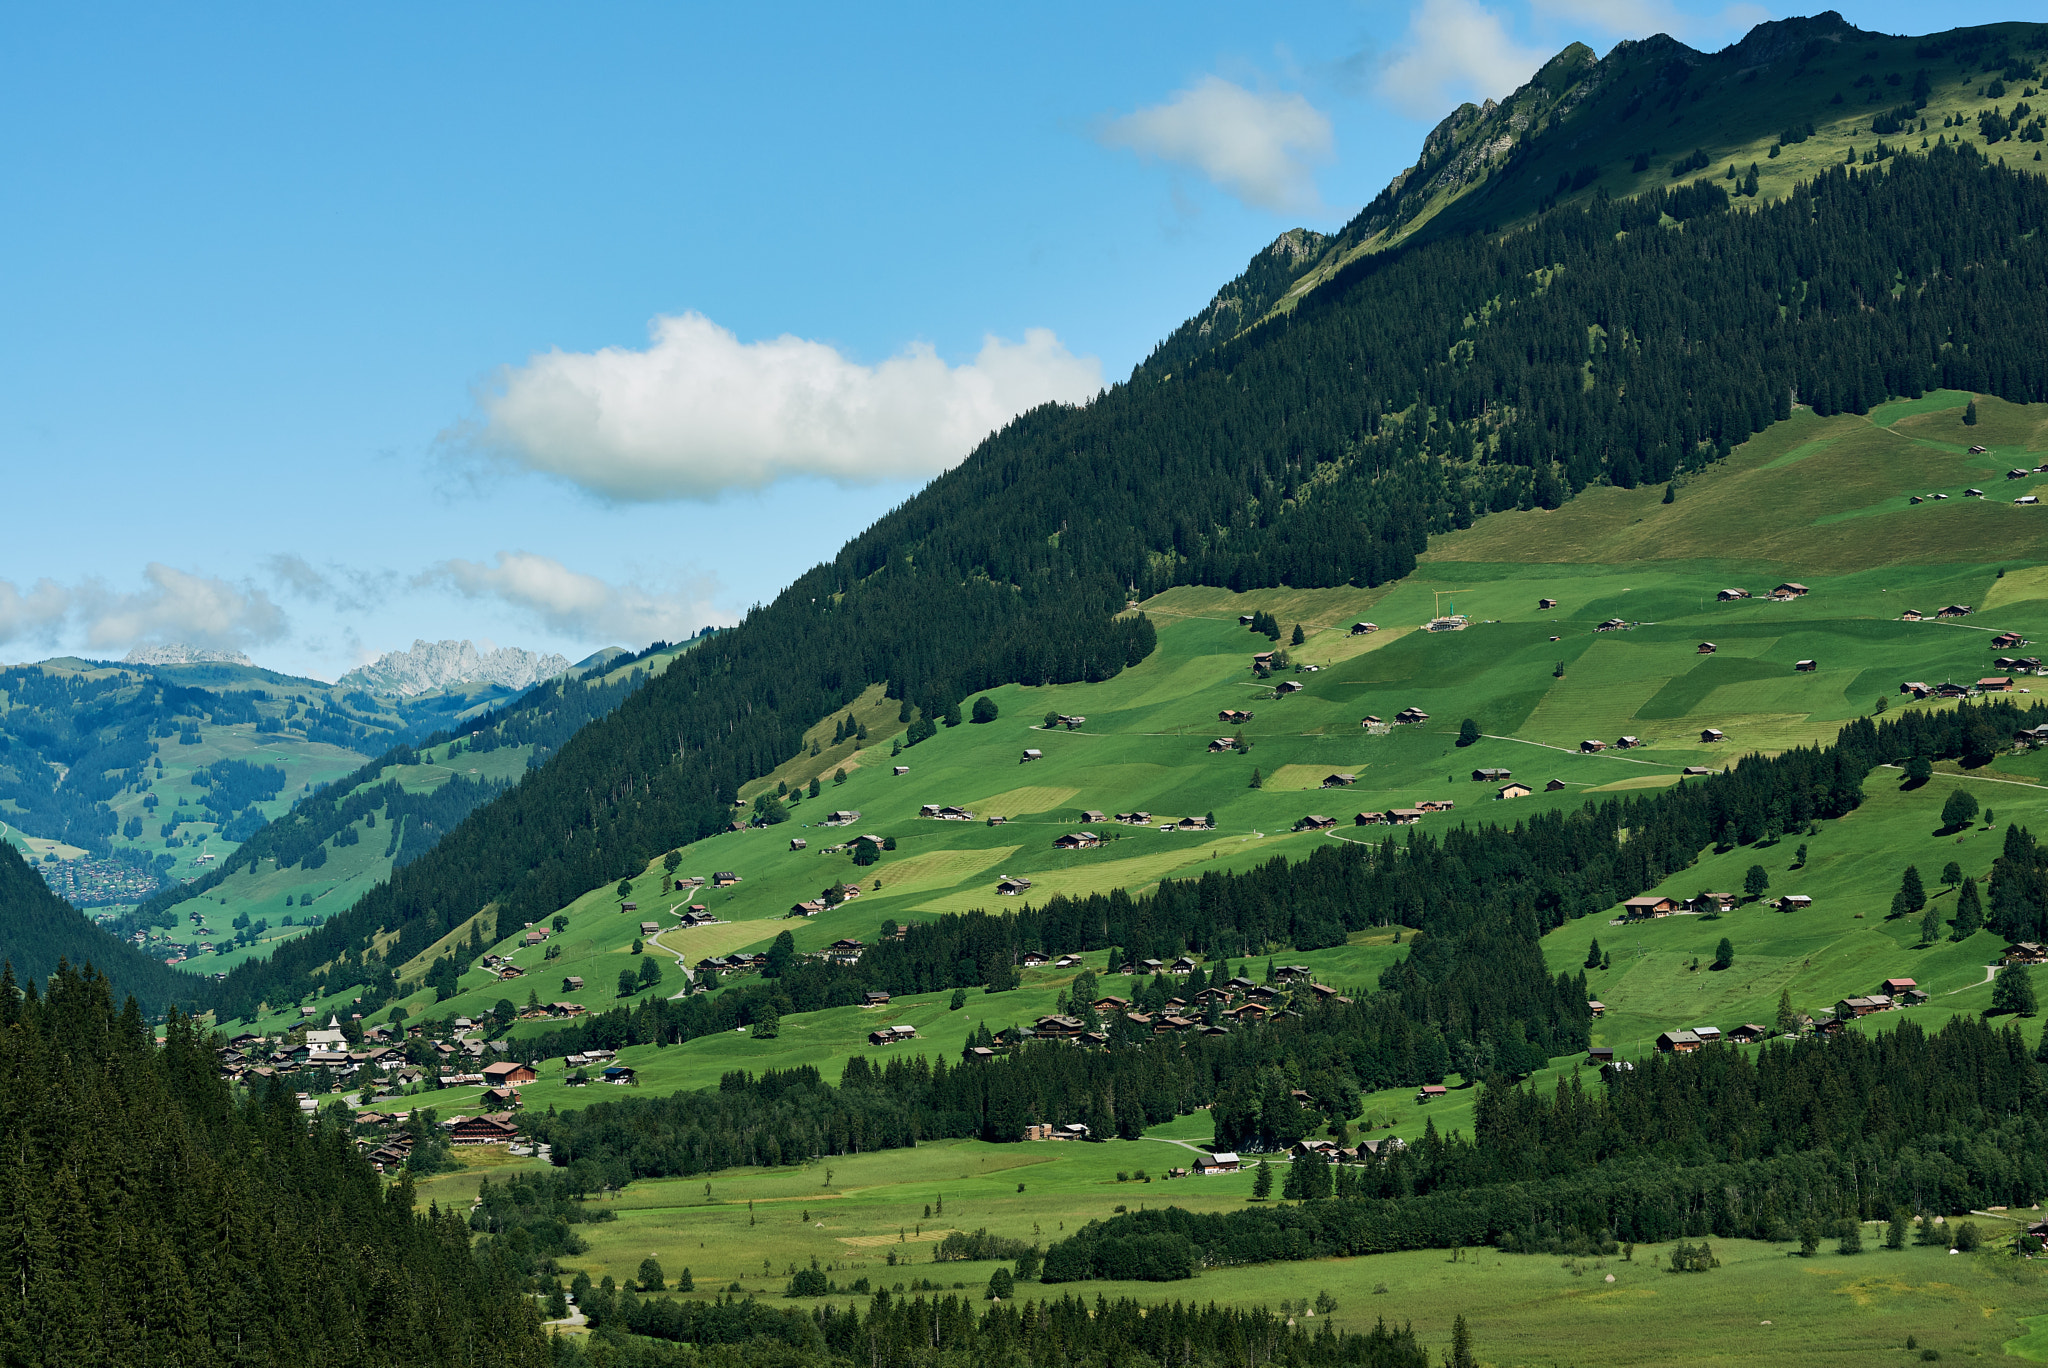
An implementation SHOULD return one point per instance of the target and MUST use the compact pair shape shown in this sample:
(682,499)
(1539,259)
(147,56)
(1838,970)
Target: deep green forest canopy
(43,929)
(153,1218)
(1426,387)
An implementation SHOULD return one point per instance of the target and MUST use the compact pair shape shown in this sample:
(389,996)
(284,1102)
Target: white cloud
(1456,50)
(39,614)
(582,606)
(1257,147)
(175,606)
(699,412)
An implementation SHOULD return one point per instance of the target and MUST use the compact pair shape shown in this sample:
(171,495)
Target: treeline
(901,1332)
(152,1218)
(1760,1144)
(1421,389)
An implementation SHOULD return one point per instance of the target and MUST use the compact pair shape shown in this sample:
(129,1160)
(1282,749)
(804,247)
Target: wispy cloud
(1456,50)
(171,606)
(584,607)
(337,586)
(698,412)
(1258,147)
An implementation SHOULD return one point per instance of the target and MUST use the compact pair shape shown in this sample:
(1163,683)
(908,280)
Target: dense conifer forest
(43,929)
(151,1218)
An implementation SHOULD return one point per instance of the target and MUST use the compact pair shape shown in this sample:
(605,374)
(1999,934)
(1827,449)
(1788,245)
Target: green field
(852,1214)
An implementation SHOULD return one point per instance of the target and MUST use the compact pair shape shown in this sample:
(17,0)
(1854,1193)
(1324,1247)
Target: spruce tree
(1468,732)
(1912,895)
(1970,414)
(1930,926)
(1262,1183)
(1969,912)
(1724,953)
(1788,1020)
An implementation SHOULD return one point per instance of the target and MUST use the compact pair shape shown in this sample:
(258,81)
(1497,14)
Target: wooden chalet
(874,997)
(507,1072)
(1727,595)
(1222,1161)
(1912,615)
(1709,735)
(1806,666)
(572,984)
(890,1035)
(1678,1042)
(1695,771)
(1592,747)
(1995,684)
(1029,756)
(1491,776)
(1648,905)
(1600,1054)
(1598,1009)
(1221,745)
(1793,902)
(1789,590)
(1315,821)
(483,1130)
(1627,742)
(1408,717)
(1517,790)
(1543,604)
(1894,987)
(724,878)
(1092,815)
(1747,1034)
(1554,786)
(1953,610)
(1361,628)
(2005,641)
(1076,840)
(1429,1092)
(1234,715)
(1706,648)
(1339,780)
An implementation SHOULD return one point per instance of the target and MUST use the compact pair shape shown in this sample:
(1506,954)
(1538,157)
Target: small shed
(1712,734)
(1546,603)
(1806,666)
(1031,755)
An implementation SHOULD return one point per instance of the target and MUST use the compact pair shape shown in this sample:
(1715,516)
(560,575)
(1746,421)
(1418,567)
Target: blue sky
(326,328)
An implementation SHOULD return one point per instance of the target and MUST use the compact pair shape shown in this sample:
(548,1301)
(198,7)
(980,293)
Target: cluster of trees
(153,1218)
(1069,1332)
(42,930)
(1768,1144)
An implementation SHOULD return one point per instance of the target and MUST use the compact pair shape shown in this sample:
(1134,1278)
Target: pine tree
(1593,954)
(1297,639)
(1969,912)
(1912,896)
(1930,925)
(1262,1183)
(1970,414)
(1788,1020)
(1468,732)
(1724,953)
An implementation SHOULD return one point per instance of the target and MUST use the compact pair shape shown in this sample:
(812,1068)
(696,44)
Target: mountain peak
(432,665)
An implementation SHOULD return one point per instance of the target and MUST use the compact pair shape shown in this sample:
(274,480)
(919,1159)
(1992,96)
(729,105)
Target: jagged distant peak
(432,665)
(178,653)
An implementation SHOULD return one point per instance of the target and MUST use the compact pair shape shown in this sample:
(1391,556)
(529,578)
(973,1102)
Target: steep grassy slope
(1144,746)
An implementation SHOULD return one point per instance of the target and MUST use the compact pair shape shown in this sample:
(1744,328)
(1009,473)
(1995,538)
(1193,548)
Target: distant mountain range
(432,665)
(178,653)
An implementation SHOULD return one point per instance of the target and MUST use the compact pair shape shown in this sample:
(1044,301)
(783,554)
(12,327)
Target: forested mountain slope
(1611,340)
(39,929)
(153,1218)
(1758,117)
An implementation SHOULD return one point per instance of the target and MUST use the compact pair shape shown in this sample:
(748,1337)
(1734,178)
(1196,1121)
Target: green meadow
(1824,502)
(881,1216)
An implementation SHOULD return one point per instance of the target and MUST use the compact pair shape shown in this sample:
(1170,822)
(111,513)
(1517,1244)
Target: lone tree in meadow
(1756,882)
(1912,895)
(1959,810)
(1468,732)
(985,709)
(1297,639)
(1262,1183)
(1724,954)
(1919,769)
(1970,414)
(1930,925)
(2013,991)
(1593,955)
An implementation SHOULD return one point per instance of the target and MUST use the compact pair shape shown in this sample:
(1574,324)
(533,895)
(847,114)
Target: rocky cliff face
(431,665)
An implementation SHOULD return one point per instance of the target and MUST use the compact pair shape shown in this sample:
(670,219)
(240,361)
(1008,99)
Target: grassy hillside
(1144,746)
